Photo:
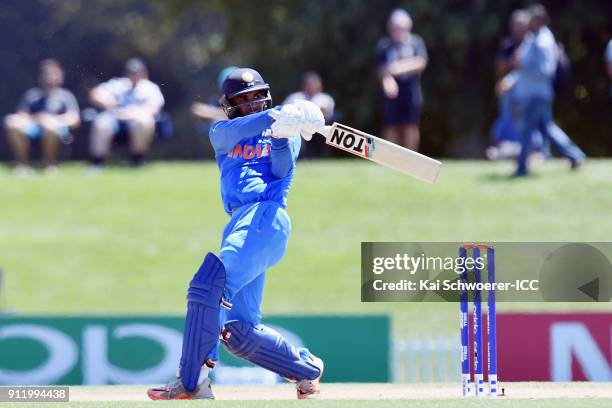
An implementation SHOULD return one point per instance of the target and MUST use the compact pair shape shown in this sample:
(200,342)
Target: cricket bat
(382,151)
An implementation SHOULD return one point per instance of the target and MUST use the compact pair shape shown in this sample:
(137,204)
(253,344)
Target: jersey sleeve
(420,48)
(70,101)
(224,135)
(283,155)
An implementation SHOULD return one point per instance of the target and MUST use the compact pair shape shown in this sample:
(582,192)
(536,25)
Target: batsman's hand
(289,121)
(313,118)
(301,117)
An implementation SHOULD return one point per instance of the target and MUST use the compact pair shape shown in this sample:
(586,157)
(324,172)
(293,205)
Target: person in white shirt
(311,89)
(128,106)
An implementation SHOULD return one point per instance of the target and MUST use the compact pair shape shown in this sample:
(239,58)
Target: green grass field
(127,241)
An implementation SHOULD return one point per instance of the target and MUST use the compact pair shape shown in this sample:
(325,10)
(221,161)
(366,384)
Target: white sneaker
(311,389)
(176,390)
(204,391)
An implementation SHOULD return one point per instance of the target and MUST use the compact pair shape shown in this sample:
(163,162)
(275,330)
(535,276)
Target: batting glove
(289,122)
(313,118)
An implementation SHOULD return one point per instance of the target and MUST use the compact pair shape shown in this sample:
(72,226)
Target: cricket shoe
(311,389)
(176,390)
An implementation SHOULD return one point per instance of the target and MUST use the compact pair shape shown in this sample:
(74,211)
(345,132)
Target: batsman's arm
(283,155)
(224,135)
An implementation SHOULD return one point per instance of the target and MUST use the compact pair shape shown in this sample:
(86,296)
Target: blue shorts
(405,108)
(254,240)
(34,132)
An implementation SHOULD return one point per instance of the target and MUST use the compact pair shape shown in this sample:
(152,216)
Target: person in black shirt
(401,58)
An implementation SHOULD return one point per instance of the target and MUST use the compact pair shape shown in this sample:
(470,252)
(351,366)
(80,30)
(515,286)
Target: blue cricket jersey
(254,167)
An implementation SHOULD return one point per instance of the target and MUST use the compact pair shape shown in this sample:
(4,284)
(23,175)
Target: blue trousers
(536,114)
(254,240)
(507,129)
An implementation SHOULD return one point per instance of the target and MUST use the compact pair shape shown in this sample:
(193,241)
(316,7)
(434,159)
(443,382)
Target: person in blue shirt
(256,150)
(536,63)
(506,128)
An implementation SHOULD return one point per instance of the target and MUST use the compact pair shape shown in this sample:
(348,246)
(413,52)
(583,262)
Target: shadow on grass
(504,177)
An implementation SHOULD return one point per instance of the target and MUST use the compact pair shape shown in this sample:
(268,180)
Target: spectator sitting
(128,106)
(47,113)
(312,90)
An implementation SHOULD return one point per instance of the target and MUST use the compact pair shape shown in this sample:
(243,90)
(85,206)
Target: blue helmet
(241,81)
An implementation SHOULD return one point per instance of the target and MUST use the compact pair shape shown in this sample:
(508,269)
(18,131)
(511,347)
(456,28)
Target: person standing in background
(312,90)
(44,113)
(401,59)
(506,128)
(536,63)
(519,25)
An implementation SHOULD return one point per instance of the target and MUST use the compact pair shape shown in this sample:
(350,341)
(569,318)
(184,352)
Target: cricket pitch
(337,391)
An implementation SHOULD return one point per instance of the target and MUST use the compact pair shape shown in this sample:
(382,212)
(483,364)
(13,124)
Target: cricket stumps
(473,352)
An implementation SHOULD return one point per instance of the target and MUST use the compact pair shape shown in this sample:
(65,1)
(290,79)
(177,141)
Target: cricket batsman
(256,155)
